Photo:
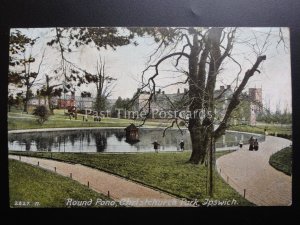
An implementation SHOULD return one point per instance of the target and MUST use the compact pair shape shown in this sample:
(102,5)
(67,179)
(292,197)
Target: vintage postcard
(149,117)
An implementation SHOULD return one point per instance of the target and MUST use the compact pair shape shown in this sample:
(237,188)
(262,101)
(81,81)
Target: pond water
(111,140)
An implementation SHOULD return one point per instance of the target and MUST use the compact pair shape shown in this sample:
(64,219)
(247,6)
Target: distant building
(162,102)
(256,105)
(38,100)
(35,101)
(223,96)
(66,101)
(255,95)
(84,102)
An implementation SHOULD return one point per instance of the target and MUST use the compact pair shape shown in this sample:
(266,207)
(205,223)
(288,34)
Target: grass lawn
(259,129)
(166,171)
(30,184)
(18,120)
(282,160)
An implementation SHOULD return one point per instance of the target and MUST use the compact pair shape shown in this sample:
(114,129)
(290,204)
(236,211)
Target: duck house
(132,133)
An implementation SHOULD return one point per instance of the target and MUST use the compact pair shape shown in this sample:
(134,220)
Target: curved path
(250,174)
(120,189)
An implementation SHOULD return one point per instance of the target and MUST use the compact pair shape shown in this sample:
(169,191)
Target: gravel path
(250,173)
(120,189)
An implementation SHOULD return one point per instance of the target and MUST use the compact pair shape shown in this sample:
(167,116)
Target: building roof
(226,93)
(79,98)
(131,127)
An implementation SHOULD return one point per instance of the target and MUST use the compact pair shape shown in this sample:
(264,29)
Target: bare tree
(104,85)
(49,90)
(68,39)
(25,76)
(204,50)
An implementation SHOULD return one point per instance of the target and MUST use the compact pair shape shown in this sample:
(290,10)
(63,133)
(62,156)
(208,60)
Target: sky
(126,64)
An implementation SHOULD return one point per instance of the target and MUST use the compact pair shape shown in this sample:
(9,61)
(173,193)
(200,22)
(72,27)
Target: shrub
(286,136)
(282,160)
(181,123)
(42,114)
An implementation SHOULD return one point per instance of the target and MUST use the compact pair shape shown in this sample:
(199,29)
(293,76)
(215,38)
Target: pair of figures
(156,144)
(253,144)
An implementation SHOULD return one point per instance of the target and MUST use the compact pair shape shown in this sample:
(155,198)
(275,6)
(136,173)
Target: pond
(112,140)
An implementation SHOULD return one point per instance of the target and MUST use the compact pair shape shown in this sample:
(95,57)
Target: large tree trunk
(25,106)
(49,95)
(200,141)
(26,100)
(99,102)
(199,147)
(50,105)
(202,98)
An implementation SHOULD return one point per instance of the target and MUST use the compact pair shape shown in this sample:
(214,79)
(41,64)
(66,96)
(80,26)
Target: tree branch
(235,97)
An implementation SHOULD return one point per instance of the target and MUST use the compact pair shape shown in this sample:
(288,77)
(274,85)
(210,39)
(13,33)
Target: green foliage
(122,103)
(31,184)
(50,91)
(11,100)
(20,69)
(260,129)
(16,101)
(282,160)
(86,94)
(17,44)
(42,113)
(101,103)
(286,136)
(100,36)
(276,117)
(242,111)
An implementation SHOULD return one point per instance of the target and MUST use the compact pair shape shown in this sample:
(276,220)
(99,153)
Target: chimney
(185,91)
(159,90)
(229,87)
(178,91)
(222,88)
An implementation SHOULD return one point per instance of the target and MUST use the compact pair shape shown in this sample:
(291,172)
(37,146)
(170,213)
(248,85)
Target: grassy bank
(166,171)
(40,188)
(260,129)
(282,160)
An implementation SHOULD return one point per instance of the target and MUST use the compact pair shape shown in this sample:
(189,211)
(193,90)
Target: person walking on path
(251,143)
(155,145)
(181,144)
(255,144)
(266,132)
(241,144)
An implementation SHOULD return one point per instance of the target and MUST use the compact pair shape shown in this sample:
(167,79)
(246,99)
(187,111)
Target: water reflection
(111,140)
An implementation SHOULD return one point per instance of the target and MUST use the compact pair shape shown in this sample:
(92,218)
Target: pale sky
(127,63)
